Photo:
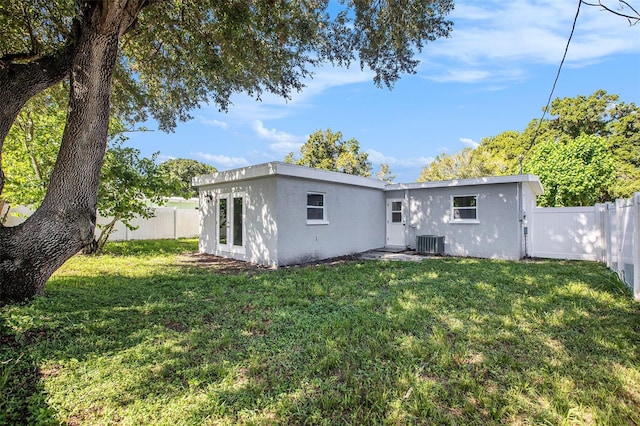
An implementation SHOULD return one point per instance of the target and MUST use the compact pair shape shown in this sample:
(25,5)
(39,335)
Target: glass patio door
(231,218)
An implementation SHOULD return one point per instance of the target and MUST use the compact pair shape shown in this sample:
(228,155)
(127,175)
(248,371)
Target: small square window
(315,208)
(464,208)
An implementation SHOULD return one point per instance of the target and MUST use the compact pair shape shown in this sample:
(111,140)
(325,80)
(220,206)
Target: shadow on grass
(448,340)
(21,386)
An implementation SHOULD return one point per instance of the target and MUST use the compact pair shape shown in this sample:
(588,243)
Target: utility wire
(553,88)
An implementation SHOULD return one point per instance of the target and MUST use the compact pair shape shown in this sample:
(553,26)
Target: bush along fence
(608,233)
(168,223)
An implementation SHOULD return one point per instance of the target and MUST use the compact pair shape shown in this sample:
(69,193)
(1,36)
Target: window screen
(465,207)
(315,207)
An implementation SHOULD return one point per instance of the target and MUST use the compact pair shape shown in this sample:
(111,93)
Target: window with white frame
(464,208)
(316,213)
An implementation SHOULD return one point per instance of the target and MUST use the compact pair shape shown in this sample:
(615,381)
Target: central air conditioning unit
(430,244)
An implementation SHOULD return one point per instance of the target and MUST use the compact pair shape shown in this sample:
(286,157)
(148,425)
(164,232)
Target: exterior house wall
(496,234)
(260,225)
(354,216)
(355,210)
(276,226)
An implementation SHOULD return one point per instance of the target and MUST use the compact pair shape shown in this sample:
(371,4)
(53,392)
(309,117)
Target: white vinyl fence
(168,223)
(608,233)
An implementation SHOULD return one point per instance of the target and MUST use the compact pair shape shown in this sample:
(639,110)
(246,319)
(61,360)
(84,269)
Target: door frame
(229,198)
(395,231)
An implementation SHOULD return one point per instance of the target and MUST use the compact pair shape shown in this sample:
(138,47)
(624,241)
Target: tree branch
(633,18)
(19,82)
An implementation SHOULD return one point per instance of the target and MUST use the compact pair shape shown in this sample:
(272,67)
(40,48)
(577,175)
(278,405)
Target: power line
(555,82)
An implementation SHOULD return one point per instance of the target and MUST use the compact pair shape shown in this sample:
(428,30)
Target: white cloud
(469,142)
(377,157)
(215,123)
(273,135)
(222,160)
(493,40)
(246,109)
(283,142)
(285,147)
(461,76)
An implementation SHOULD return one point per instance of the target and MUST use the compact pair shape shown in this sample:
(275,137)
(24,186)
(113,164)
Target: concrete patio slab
(387,254)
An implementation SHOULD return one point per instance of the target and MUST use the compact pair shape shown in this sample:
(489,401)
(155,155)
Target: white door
(231,226)
(395,223)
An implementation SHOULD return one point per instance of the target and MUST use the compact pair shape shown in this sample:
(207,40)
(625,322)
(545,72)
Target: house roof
(532,180)
(285,169)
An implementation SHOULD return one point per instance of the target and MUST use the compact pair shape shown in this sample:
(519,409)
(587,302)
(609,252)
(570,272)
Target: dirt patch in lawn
(224,265)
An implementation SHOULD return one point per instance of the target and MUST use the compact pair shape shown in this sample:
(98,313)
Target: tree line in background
(326,150)
(130,185)
(586,152)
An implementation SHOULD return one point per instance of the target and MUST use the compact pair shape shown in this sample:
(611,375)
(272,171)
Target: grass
(139,337)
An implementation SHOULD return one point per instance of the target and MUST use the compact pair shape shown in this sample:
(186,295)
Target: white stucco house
(280,214)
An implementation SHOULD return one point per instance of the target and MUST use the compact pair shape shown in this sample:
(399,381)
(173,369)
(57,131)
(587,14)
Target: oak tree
(162,58)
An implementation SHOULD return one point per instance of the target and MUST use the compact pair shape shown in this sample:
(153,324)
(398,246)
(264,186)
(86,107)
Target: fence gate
(607,233)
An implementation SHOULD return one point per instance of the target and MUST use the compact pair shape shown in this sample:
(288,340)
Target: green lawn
(138,336)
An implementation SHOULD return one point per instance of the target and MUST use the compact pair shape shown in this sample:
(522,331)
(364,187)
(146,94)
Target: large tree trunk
(65,222)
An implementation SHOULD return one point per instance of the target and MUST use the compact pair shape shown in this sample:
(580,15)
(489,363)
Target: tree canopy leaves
(460,165)
(385,173)
(577,144)
(180,171)
(178,54)
(328,151)
(576,173)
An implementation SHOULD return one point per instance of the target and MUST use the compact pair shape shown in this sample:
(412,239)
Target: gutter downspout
(522,218)
(407,218)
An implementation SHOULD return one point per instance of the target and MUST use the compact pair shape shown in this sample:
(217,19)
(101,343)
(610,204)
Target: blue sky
(494,73)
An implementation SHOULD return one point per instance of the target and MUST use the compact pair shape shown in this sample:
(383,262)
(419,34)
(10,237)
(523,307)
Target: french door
(231,222)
